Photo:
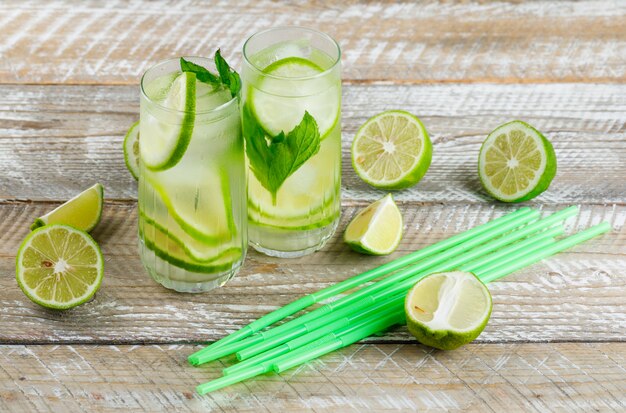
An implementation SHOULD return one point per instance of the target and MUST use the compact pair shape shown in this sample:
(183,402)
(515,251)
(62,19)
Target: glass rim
(336,60)
(216,109)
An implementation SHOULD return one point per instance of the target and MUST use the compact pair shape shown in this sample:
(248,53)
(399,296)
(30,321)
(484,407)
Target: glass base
(180,279)
(283,243)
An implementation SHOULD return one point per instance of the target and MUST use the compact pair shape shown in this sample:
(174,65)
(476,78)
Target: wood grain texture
(571,377)
(115,41)
(57,140)
(575,296)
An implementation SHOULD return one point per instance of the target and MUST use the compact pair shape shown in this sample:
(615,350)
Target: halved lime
(165,142)
(279,100)
(391,150)
(59,267)
(447,310)
(377,229)
(172,251)
(516,162)
(82,212)
(131,150)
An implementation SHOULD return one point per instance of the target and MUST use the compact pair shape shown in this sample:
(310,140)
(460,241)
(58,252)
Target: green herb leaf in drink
(227,76)
(274,161)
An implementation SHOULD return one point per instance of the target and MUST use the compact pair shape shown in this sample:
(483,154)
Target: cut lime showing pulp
(131,150)
(447,310)
(165,143)
(376,230)
(391,150)
(82,212)
(281,98)
(59,266)
(516,162)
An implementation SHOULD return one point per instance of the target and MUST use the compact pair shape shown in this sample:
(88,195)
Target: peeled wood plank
(113,42)
(57,140)
(575,296)
(477,377)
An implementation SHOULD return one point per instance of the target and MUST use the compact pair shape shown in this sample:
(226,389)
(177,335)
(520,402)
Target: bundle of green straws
(491,251)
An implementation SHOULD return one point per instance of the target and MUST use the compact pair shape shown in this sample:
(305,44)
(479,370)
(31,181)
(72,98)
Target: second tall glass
(294,159)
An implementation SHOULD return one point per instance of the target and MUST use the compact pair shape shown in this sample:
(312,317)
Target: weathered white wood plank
(575,296)
(57,140)
(114,42)
(476,378)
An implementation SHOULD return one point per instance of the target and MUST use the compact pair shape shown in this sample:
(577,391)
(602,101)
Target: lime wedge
(276,112)
(165,142)
(377,229)
(391,150)
(82,212)
(447,310)
(171,250)
(59,266)
(131,150)
(516,162)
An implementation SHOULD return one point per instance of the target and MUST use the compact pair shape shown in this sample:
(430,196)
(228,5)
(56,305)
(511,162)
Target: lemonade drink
(291,117)
(192,208)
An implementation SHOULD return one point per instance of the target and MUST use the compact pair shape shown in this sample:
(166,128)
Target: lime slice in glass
(165,142)
(131,150)
(280,99)
(516,162)
(377,229)
(82,212)
(171,250)
(59,266)
(391,150)
(447,310)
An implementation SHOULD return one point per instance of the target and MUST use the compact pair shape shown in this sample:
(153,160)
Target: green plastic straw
(489,272)
(356,281)
(403,280)
(323,327)
(536,242)
(303,355)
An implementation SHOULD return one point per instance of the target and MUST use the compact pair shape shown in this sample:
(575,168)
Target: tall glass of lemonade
(192,199)
(291,115)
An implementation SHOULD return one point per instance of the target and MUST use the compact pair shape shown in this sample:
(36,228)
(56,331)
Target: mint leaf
(202,74)
(229,77)
(274,161)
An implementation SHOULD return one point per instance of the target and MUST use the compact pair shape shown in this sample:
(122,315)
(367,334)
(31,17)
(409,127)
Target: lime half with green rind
(83,212)
(165,142)
(448,310)
(516,162)
(392,150)
(59,266)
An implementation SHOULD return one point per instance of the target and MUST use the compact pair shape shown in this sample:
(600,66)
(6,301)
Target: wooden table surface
(69,76)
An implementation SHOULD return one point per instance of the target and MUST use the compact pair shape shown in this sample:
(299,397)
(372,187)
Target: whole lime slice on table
(164,143)
(59,267)
(516,162)
(392,150)
(377,229)
(82,212)
(131,150)
(447,310)
(281,98)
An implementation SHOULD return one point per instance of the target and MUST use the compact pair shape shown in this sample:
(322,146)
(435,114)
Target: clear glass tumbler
(294,175)
(192,207)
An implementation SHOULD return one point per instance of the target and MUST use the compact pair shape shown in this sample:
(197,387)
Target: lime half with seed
(391,150)
(59,267)
(82,212)
(447,310)
(131,150)
(376,230)
(516,162)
